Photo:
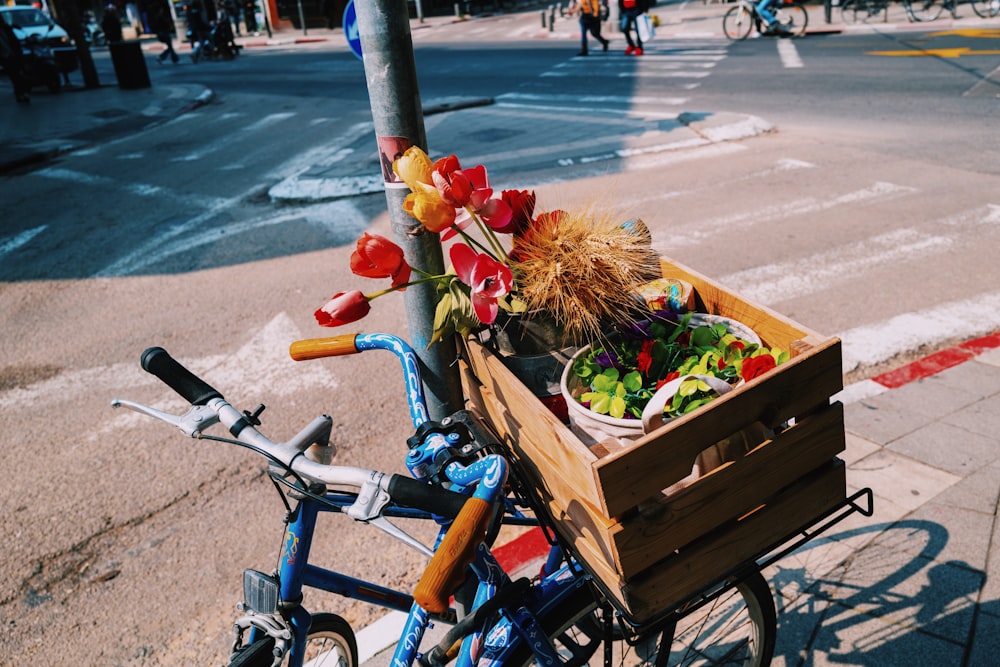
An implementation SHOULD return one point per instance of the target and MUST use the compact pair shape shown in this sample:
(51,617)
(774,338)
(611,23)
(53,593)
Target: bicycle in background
(783,18)
(870,11)
(462,479)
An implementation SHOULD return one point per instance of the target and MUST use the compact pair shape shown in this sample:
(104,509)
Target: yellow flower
(426,205)
(414,167)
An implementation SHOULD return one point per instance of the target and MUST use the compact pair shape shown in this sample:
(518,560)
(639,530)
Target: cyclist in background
(774,26)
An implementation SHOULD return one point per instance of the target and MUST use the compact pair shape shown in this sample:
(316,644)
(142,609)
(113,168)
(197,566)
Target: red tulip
(487,278)
(378,257)
(522,207)
(342,308)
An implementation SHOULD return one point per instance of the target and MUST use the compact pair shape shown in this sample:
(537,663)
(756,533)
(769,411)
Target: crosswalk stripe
(880,191)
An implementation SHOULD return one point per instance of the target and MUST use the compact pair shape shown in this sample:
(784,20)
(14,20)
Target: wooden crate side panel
(728,492)
(773,328)
(698,566)
(801,385)
(552,456)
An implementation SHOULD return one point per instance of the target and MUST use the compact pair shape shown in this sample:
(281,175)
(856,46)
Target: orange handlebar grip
(317,348)
(446,571)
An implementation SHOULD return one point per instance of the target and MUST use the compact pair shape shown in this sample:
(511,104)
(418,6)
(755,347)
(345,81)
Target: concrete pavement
(918,583)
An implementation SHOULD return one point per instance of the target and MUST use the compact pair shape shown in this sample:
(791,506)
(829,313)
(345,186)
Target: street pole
(391,74)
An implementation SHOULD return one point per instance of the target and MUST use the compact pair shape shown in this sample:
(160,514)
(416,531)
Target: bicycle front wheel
(793,18)
(737,23)
(861,11)
(330,643)
(923,10)
(986,8)
(737,628)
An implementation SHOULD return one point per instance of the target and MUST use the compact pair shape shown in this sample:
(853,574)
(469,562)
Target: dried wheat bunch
(584,269)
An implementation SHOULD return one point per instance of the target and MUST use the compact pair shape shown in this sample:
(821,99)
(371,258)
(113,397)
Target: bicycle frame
(296,573)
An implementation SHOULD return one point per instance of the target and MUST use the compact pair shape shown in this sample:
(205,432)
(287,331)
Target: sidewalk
(916,584)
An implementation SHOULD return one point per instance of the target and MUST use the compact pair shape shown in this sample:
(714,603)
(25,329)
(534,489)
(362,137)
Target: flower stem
(389,290)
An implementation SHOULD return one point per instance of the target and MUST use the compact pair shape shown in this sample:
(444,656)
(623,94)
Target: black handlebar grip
(410,492)
(196,391)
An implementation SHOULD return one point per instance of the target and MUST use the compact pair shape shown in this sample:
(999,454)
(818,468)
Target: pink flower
(342,308)
(487,278)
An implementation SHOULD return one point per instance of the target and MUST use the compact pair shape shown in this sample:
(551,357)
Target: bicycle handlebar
(317,348)
(192,388)
(471,514)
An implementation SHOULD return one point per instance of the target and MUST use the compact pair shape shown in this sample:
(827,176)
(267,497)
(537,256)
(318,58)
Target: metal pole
(302,18)
(391,73)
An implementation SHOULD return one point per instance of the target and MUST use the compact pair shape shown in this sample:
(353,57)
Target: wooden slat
(728,492)
(801,385)
(699,566)
(553,457)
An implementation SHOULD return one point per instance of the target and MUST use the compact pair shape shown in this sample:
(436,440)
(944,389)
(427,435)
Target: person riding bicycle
(774,26)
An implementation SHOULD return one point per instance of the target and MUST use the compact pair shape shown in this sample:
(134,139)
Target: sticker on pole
(350,23)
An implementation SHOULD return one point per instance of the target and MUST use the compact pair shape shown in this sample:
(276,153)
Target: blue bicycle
(462,479)
(783,18)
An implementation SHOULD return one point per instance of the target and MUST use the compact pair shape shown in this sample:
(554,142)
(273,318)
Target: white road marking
(789,54)
(225,140)
(623,100)
(140,189)
(338,216)
(878,192)
(881,341)
(10,245)
(773,283)
(261,367)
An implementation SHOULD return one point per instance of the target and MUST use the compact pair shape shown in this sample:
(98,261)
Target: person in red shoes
(630,10)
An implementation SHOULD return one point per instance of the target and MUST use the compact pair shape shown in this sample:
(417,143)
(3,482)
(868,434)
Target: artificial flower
(620,374)
(582,270)
(426,205)
(487,279)
(757,366)
(378,257)
(342,308)
(414,167)
(522,207)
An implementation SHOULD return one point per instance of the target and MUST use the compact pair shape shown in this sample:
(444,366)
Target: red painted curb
(522,550)
(937,362)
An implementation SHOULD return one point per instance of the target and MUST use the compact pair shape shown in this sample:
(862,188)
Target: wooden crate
(651,551)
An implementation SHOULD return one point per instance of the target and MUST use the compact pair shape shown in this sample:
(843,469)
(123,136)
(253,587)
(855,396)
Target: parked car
(31,21)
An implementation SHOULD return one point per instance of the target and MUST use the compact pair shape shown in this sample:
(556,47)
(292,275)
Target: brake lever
(191,423)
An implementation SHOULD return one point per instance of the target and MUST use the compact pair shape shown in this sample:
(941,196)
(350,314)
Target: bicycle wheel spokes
(793,18)
(924,10)
(722,633)
(737,23)
(986,8)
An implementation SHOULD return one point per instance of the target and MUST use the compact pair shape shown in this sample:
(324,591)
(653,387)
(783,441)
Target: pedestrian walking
(590,21)
(250,16)
(163,26)
(630,11)
(111,24)
(233,14)
(13,62)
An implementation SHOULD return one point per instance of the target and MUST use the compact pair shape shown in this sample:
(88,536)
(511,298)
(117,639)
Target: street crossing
(641,122)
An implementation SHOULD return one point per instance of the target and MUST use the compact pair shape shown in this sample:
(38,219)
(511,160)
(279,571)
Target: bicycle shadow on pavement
(878,595)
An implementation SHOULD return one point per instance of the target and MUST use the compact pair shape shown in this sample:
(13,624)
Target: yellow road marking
(936,53)
(987,33)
